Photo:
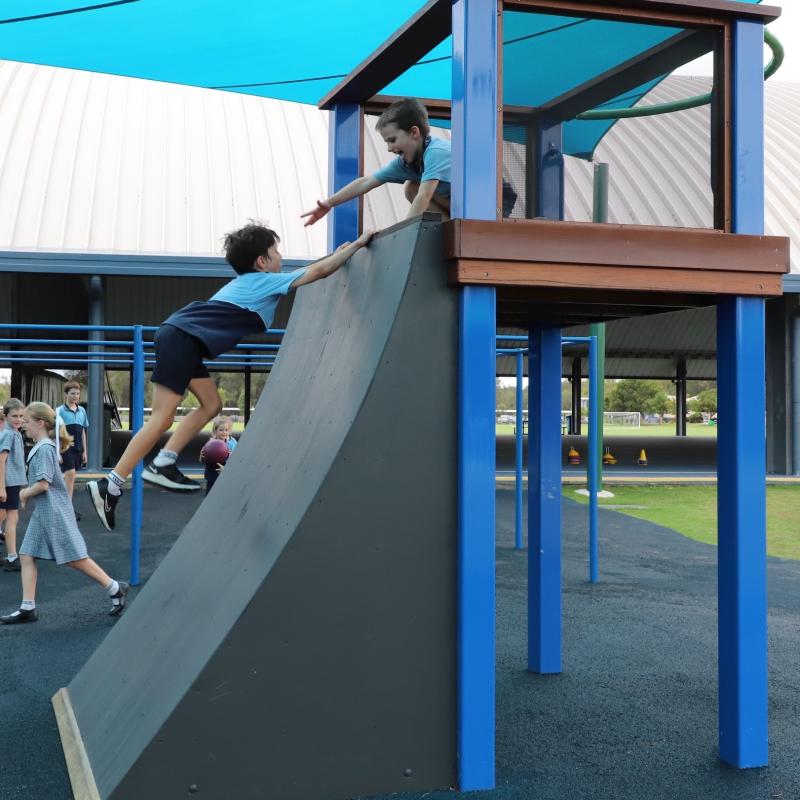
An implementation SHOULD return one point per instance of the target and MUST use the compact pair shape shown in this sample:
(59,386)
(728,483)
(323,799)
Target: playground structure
(539,274)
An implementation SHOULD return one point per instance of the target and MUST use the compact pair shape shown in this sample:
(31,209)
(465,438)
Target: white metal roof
(103,164)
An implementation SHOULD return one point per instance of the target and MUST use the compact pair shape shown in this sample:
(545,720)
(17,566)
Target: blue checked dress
(52,532)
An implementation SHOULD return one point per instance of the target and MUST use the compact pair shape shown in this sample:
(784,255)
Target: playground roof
(301,52)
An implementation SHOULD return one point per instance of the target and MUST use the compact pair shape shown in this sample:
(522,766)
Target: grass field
(644,430)
(692,511)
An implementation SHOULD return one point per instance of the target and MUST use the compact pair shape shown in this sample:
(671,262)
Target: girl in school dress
(52,531)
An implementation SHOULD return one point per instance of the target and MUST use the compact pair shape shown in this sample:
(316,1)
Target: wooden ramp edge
(78,766)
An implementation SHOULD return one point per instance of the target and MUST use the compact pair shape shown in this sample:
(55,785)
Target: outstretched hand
(365,237)
(317,214)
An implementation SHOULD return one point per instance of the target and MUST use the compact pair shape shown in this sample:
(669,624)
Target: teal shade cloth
(300,51)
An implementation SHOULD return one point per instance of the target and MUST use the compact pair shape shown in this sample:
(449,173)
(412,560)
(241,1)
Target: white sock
(115,484)
(11,556)
(112,588)
(165,458)
(27,605)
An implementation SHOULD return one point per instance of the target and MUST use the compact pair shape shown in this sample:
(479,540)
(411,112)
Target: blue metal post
(474,196)
(544,500)
(520,430)
(544,441)
(594,457)
(344,164)
(137,418)
(741,448)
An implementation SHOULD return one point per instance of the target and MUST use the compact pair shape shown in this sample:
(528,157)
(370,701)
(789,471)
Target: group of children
(204,330)
(52,531)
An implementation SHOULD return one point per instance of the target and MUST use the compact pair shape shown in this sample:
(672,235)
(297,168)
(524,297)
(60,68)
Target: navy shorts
(179,359)
(71,459)
(12,498)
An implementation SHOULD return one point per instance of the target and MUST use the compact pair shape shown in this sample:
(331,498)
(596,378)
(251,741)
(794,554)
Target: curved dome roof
(103,164)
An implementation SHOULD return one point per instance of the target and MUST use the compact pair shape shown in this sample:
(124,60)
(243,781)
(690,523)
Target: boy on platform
(422,166)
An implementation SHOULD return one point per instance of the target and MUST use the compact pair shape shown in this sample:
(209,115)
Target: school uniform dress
(11,441)
(52,531)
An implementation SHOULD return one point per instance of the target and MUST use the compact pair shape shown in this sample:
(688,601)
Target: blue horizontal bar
(116,264)
(71,342)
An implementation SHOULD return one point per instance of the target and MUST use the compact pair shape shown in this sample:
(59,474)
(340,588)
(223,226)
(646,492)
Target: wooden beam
(652,63)
(427,28)
(609,276)
(686,13)
(588,243)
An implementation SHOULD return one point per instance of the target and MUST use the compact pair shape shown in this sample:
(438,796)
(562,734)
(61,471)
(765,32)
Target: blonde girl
(12,477)
(221,429)
(52,532)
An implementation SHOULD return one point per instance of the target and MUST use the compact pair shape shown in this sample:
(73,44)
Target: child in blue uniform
(220,430)
(422,166)
(74,417)
(52,532)
(244,306)
(12,477)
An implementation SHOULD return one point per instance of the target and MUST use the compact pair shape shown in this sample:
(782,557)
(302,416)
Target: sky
(787,30)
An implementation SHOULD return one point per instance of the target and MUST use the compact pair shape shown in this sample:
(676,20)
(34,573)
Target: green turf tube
(689,102)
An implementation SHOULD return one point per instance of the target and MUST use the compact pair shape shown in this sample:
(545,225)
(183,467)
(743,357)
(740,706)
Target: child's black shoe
(118,599)
(20,617)
(11,566)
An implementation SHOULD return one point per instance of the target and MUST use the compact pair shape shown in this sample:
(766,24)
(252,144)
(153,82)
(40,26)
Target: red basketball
(215,451)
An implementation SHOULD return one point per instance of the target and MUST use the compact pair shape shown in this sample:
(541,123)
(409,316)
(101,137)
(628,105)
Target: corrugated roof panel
(97,163)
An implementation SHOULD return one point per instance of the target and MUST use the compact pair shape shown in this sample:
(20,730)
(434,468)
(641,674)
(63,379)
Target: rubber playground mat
(633,715)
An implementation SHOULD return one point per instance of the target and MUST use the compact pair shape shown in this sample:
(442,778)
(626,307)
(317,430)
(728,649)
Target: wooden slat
(504,273)
(576,243)
(78,766)
(427,28)
(685,13)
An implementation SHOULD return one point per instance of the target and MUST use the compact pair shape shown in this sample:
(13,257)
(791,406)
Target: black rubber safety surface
(632,716)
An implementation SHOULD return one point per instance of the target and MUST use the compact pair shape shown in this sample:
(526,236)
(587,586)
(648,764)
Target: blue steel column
(593,456)
(137,418)
(520,430)
(544,500)
(344,165)
(473,196)
(544,441)
(742,589)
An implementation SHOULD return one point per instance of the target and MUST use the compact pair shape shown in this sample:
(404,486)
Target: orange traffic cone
(573,457)
(642,458)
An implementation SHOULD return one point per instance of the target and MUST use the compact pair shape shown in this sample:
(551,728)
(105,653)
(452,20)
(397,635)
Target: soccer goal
(622,419)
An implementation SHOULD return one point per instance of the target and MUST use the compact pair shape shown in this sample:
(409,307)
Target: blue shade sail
(300,51)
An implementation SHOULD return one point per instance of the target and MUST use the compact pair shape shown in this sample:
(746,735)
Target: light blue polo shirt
(433,166)
(243,306)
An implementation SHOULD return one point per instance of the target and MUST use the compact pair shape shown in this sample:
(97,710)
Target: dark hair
(244,246)
(70,385)
(405,113)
